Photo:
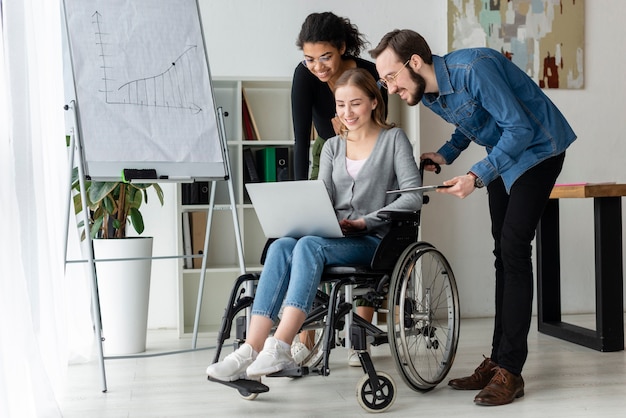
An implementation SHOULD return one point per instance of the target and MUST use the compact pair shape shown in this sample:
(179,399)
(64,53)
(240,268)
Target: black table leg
(609,333)
(609,273)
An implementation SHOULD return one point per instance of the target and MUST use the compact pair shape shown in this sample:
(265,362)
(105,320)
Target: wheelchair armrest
(399,215)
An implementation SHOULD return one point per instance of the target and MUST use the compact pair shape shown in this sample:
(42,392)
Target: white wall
(257,38)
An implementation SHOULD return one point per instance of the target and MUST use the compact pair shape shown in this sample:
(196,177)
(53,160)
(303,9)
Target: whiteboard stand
(75,152)
(233,208)
(75,158)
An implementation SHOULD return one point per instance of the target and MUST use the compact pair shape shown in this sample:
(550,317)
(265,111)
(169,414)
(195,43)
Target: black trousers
(514,219)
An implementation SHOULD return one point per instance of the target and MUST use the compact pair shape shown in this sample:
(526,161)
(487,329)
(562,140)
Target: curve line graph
(173,88)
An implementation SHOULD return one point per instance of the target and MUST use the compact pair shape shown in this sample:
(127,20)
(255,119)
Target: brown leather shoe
(478,380)
(503,388)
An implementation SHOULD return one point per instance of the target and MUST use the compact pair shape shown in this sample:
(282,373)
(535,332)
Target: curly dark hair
(328,27)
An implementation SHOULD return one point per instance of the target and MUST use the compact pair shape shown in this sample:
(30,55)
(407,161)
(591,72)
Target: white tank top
(354,166)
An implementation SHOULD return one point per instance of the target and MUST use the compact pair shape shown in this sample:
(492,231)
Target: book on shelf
(250,173)
(273,164)
(187,240)
(250,128)
(198,233)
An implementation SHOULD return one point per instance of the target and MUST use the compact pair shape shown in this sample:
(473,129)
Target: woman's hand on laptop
(351,226)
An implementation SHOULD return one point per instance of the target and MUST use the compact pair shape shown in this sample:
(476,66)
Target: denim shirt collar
(443,81)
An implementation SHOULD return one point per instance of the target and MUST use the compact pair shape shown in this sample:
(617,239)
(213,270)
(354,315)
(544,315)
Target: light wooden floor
(562,380)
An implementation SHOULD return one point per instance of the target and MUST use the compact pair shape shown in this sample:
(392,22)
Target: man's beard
(420,85)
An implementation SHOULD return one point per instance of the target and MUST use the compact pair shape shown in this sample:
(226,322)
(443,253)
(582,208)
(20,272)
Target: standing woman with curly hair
(331,45)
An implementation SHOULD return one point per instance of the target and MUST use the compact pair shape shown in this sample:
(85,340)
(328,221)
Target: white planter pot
(124,289)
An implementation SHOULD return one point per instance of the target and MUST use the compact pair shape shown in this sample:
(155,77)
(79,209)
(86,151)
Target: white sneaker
(353,357)
(234,365)
(299,352)
(273,358)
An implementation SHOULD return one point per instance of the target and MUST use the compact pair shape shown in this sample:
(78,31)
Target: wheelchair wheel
(423,320)
(380,400)
(247,395)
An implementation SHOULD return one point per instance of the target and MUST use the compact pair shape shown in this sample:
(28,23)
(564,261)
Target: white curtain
(34,299)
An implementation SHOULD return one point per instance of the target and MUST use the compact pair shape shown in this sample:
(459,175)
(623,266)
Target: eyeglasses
(324,59)
(392,78)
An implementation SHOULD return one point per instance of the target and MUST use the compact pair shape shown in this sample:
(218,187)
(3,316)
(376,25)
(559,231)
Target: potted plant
(111,204)
(124,285)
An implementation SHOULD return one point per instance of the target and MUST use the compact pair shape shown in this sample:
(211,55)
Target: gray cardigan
(390,166)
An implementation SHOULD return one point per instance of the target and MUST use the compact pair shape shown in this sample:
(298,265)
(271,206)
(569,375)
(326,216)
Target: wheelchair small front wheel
(247,395)
(379,400)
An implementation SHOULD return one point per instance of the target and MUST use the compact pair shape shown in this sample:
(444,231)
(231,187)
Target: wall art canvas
(545,38)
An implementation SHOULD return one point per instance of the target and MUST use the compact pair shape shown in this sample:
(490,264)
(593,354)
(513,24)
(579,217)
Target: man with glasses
(496,105)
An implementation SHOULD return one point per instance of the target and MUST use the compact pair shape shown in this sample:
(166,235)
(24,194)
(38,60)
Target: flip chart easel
(144,107)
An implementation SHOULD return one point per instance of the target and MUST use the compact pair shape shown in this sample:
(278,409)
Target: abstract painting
(545,38)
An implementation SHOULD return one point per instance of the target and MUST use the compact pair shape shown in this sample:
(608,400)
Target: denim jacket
(496,105)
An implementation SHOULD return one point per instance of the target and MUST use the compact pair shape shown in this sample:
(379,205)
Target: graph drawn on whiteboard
(173,88)
(143,88)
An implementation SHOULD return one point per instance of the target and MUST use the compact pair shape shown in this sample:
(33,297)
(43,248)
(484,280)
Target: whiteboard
(144,98)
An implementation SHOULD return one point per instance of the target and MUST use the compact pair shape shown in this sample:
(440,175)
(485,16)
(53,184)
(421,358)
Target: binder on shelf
(282,164)
(196,193)
(250,129)
(273,164)
(266,163)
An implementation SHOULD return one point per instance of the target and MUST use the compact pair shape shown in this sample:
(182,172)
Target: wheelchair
(408,280)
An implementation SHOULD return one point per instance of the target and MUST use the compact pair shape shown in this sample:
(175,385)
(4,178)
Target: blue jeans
(293,269)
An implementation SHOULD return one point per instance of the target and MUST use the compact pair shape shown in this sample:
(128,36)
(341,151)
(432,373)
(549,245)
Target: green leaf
(95,228)
(159,192)
(78,204)
(100,190)
(135,199)
(109,205)
(137,220)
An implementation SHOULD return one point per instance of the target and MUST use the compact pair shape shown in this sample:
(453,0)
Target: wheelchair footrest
(244,385)
(293,372)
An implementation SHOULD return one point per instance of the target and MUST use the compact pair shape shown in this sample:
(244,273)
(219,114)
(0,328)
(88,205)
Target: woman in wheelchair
(358,166)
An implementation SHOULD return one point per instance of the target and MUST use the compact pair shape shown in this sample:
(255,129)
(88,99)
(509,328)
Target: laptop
(294,209)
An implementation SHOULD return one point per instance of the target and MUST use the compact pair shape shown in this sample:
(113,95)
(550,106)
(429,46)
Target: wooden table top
(561,191)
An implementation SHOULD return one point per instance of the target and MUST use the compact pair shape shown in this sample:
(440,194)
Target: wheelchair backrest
(403,232)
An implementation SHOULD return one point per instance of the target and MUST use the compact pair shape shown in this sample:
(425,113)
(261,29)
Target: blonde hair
(364,81)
